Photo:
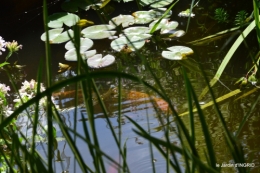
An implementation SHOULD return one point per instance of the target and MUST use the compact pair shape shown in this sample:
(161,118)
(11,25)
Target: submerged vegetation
(151,37)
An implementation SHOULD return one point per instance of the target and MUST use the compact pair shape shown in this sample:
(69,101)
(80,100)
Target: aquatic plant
(221,15)
(240,18)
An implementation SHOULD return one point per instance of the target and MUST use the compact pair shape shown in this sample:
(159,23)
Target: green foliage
(221,15)
(240,18)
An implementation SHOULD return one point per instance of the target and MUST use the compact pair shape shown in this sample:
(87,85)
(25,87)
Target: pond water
(139,108)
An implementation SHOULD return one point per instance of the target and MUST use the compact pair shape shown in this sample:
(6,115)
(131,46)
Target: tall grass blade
(228,56)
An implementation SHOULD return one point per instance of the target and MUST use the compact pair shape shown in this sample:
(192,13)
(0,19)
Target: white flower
(28,91)
(4,89)
(7,111)
(2,45)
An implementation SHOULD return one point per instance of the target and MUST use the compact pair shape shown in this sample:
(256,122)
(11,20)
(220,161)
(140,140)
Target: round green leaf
(85,44)
(71,55)
(56,20)
(98,31)
(125,20)
(132,43)
(98,62)
(136,30)
(172,55)
(56,36)
(177,52)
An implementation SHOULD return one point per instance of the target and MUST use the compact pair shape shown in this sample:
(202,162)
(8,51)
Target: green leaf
(3,64)
(132,43)
(56,36)
(58,19)
(98,62)
(98,31)
(177,52)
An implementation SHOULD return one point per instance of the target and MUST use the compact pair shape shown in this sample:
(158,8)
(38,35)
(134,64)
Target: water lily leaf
(171,34)
(143,17)
(182,49)
(160,4)
(131,44)
(85,44)
(71,55)
(98,62)
(56,36)
(155,4)
(98,31)
(177,53)
(56,20)
(142,36)
(136,30)
(173,55)
(125,20)
(162,23)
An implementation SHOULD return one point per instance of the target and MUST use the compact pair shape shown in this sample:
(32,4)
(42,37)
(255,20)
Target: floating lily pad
(169,34)
(144,17)
(98,31)
(56,36)
(130,44)
(164,24)
(159,12)
(125,20)
(98,62)
(72,56)
(56,20)
(85,44)
(155,4)
(177,52)
(136,30)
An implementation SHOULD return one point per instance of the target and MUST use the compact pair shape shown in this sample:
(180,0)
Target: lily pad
(131,44)
(140,31)
(170,34)
(125,20)
(98,31)
(98,62)
(177,53)
(143,17)
(164,24)
(136,30)
(85,44)
(56,20)
(56,36)
(155,4)
(71,55)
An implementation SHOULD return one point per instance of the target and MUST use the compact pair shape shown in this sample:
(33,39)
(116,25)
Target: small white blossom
(2,45)
(28,91)
(4,89)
